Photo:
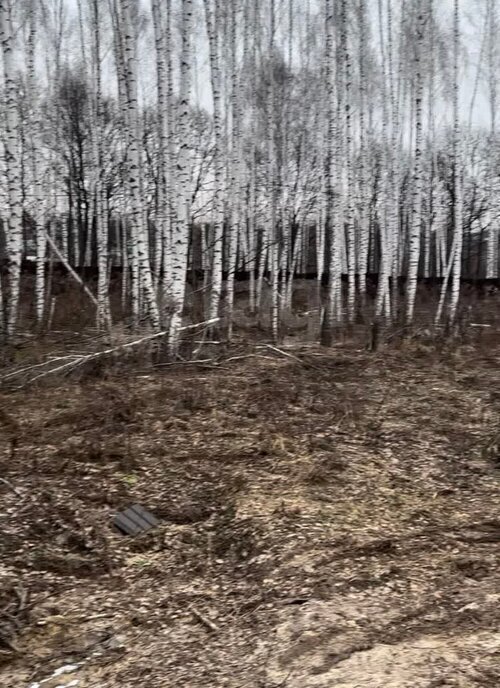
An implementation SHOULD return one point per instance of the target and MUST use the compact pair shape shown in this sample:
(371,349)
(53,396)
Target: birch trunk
(349,209)
(271,179)
(364,231)
(235,189)
(212,13)
(416,219)
(130,254)
(101,225)
(170,154)
(431,126)
(36,171)
(14,235)
(180,233)
(493,186)
(255,286)
(457,170)
(334,272)
(139,230)
(383,302)
(162,215)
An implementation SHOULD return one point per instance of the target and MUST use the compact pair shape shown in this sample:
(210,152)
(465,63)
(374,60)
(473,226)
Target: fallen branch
(288,355)
(198,361)
(77,361)
(280,351)
(68,267)
(26,369)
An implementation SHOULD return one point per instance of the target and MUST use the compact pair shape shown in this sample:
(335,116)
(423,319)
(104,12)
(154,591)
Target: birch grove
(192,146)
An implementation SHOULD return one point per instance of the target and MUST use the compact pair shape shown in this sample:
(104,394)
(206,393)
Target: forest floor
(329,517)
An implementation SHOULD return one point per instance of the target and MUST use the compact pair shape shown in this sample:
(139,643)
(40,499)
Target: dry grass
(362,485)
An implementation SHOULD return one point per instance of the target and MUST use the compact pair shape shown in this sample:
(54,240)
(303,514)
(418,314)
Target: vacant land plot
(328,518)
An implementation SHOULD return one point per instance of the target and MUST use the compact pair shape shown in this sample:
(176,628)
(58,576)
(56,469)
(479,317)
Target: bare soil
(328,518)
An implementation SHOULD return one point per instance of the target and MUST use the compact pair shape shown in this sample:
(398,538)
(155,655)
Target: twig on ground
(242,357)
(10,644)
(198,361)
(11,487)
(205,621)
(288,355)
(22,595)
(283,353)
(212,363)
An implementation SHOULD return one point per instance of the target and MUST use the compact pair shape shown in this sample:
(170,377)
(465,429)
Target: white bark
(161,216)
(14,234)
(493,185)
(180,232)
(417,181)
(457,170)
(332,156)
(235,189)
(37,200)
(169,153)
(212,12)
(139,230)
(364,232)
(96,188)
(349,209)
(271,178)
(383,302)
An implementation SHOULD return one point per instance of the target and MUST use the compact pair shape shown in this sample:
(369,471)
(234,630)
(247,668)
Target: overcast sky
(472,13)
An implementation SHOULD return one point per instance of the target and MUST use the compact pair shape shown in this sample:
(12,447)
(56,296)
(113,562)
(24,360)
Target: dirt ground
(329,517)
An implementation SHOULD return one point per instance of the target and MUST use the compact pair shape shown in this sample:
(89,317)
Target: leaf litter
(328,518)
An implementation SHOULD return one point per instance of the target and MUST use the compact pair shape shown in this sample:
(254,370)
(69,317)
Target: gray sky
(472,12)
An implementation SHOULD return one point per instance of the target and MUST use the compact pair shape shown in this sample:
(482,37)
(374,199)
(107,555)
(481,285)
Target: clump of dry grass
(324,470)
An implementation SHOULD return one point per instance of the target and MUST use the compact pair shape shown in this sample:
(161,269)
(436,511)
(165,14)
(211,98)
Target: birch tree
(271,177)
(212,15)
(99,215)
(364,237)
(180,232)
(349,209)
(139,230)
(457,169)
(493,65)
(162,216)
(416,217)
(236,165)
(35,157)
(13,167)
